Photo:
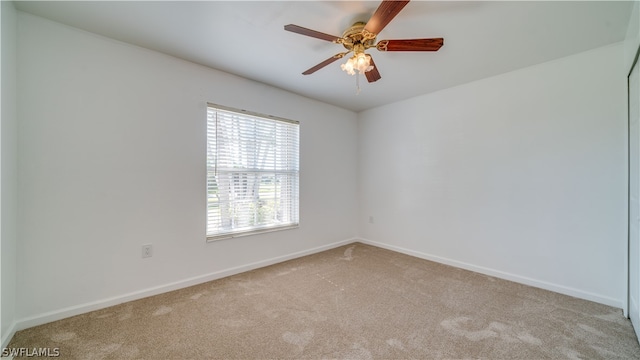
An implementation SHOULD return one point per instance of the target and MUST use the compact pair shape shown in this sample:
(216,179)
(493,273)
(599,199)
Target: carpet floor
(352,302)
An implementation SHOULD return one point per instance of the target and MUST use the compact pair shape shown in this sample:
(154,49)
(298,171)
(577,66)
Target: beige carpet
(353,302)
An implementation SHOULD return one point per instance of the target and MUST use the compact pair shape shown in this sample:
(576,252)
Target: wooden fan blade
(410,45)
(383,15)
(373,75)
(308,32)
(325,63)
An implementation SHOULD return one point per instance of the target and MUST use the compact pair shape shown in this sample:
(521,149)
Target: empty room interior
(236,179)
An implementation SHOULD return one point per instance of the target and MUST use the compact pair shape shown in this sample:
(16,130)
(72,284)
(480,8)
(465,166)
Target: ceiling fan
(362,36)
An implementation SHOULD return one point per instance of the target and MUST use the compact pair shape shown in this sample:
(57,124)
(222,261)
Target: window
(252,173)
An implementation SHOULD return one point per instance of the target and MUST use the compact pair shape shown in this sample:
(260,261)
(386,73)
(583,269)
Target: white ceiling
(482,39)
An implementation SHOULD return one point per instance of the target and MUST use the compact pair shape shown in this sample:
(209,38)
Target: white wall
(8,173)
(632,40)
(112,156)
(521,175)
(631,44)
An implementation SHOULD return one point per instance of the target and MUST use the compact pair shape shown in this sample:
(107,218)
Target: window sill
(250,232)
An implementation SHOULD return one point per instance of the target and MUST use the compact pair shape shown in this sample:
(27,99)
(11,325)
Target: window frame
(263,228)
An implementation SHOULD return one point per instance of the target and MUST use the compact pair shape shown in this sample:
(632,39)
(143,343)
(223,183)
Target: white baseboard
(104,303)
(503,275)
(634,315)
(8,336)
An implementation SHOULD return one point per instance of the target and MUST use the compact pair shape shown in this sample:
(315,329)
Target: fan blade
(308,32)
(373,75)
(325,63)
(383,15)
(410,45)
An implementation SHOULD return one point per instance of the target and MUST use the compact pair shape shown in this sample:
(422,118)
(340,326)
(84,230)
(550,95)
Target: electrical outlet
(147,250)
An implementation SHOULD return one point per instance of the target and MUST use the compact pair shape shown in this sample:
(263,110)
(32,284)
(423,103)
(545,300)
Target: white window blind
(252,173)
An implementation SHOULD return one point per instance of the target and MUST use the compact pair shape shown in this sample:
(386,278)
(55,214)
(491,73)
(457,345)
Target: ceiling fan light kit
(354,40)
(362,36)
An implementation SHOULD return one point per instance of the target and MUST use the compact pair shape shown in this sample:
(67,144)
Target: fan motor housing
(354,36)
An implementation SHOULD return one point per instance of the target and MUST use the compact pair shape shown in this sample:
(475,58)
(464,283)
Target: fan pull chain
(357,83)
